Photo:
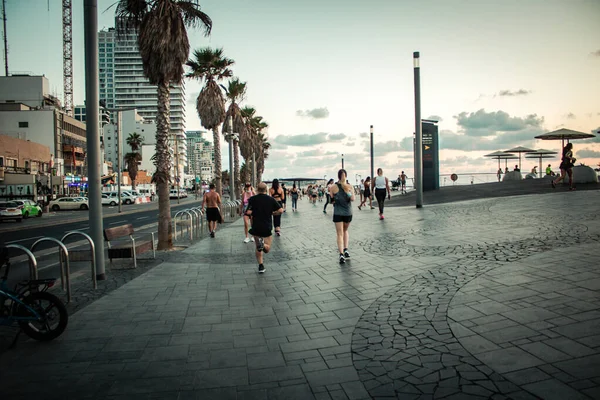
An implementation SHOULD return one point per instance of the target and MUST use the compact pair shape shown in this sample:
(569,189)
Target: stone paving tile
(434,303)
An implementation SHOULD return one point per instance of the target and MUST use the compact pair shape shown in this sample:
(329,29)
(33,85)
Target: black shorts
(342,218)
(213,214)
(260,233)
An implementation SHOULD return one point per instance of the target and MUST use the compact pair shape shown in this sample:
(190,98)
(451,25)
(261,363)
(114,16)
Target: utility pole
(5,38)
(177,164)
(418,133)
(232,187)
(90,23)
(254,183)
(372,161)
(119,158)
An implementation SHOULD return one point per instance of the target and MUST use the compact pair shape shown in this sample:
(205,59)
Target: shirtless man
(262,208)
(210,203)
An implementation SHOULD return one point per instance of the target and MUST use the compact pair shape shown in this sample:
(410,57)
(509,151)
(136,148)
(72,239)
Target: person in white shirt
(381,185)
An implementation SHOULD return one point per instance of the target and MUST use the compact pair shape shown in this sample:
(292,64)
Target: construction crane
(67,18)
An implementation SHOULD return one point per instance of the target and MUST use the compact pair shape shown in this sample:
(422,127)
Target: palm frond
(211,105)
(193,17)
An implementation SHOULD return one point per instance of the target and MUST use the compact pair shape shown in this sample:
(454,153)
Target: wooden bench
(128,248)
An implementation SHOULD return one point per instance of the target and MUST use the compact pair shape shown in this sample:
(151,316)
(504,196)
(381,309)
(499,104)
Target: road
(143,217)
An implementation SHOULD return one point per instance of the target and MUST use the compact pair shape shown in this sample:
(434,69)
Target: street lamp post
(342,161)
(418,133)
(372,161)
(90,22)
(231,172)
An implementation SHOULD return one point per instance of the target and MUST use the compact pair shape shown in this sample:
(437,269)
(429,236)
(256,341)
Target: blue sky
(320,72)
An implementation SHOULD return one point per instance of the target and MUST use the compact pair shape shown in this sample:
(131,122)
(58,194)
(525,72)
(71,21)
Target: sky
(320,72)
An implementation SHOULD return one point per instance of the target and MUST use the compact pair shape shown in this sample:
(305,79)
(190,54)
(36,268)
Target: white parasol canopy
(563,134)
(501,155)
(520,149)
(541,153)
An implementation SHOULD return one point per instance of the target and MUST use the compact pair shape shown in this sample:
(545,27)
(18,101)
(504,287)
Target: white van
(173,194)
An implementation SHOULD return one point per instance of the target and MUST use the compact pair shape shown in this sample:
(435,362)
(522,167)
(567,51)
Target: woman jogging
(328,195)
(367,195)
(342,195)
(248,192)
(277,193)
(381,186)
(295,194)
(566,166)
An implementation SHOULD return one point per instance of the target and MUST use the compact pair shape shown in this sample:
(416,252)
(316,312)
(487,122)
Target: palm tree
(164,47)
(211,66)
(235,92)
(132,160)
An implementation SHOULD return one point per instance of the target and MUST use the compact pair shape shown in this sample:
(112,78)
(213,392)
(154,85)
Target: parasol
(541,153)
(501,155)
(563,134)
(520,149)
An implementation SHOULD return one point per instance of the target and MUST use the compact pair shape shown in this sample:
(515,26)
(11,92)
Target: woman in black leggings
(277,193)
(381,186)
(328,196)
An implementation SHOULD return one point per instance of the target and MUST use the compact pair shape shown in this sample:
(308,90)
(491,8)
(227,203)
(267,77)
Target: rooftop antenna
(67,56)
(5,38)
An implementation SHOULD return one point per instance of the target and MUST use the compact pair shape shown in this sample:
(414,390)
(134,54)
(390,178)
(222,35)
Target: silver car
(9,210)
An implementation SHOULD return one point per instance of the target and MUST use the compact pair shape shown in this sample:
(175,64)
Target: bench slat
(117,232)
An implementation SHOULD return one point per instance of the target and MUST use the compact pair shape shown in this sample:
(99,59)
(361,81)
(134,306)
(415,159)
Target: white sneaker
(247,240)
(252,239)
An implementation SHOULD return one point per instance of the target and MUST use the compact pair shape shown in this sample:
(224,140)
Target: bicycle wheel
(54,316)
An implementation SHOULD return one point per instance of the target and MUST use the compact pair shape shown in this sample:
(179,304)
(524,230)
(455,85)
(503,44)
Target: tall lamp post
(232,187)
(418,133)
(372,161)
(90,22)
(342,161)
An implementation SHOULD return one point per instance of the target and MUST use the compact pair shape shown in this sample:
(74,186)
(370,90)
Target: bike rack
(65,269)
(92,252)
(190,219)
(199,221)
(33,273)
(196,221)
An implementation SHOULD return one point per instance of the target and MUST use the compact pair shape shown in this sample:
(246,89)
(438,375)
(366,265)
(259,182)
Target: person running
(277,193)
(248,192)
(361,192)
(284,199)
(403,182)
(342,196)
(566,166)
(262,208)
(210,203)
(368,195)
(327,193)
(381,185)
(295,193)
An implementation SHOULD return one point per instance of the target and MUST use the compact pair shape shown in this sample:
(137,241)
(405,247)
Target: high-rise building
(201,156)
(123,84)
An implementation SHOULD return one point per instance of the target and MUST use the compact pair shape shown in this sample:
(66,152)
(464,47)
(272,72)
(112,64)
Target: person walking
(295,193)
(262,208)
(285,194)
(211,202)
(403,182)
(342,196)
(328,195)
(499,174)
(566,166)
(277,193)
(381,185)
(361,192)
(368,195)
(248,193)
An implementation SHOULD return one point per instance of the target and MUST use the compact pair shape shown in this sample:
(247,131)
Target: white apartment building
(123,84)
(201,156)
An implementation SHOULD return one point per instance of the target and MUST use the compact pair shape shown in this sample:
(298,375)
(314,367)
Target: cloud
(301,140)
(587,153)
(336,137)
(512,93)
(315,113)
(595,53)
(315,153)
(570,116)
(435,118)
(482,123)
(192,97)
(380,148)
(364,135)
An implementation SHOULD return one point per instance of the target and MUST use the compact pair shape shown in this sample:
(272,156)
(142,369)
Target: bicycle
(40,314)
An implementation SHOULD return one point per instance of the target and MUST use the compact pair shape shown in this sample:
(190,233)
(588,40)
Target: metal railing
(188,222)
(65,269)
(80,255)
(33,272)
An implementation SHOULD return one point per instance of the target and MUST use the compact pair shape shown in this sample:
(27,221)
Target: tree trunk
(236,168)
(217,171)
(162,175)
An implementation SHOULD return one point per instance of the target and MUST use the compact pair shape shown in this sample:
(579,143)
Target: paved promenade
(493,298)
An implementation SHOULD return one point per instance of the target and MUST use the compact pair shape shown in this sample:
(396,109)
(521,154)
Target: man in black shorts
(261,209)
(211,201)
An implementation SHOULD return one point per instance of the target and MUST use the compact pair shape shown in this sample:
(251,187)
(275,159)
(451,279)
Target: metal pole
(372,160)
(418,132)
(177,165)
(232,187)
(92,134)
(119,158)
(342,161)
(254,170)
(5,38)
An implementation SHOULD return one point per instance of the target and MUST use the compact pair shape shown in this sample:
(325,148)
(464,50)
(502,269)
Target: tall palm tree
(164,47)
(211,66)
(236,93)
(132,159)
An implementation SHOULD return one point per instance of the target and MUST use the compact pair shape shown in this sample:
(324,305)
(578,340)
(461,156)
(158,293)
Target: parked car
(173,194)
(109,201)
(126,198)
(29,208)
(68,203)
(9,210)
(81,198)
